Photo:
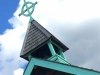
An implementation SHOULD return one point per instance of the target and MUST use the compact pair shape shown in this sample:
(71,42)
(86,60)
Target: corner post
(51,48)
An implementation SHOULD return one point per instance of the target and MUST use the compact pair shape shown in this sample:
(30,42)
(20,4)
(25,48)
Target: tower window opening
(56,49)
(43,52)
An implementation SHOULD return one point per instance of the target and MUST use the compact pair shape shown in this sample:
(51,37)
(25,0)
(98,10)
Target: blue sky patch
(7,8)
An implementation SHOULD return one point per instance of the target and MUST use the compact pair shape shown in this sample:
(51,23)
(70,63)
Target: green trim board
(29,68)
(60,67)
(51,48)
(58,58)
(60,49)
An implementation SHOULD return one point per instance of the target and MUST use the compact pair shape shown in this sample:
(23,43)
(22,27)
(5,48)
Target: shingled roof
(36,37)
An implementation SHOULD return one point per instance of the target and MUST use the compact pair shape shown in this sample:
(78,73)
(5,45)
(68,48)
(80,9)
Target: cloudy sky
(75,22)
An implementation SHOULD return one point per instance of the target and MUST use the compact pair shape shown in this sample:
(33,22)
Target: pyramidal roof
(36,37)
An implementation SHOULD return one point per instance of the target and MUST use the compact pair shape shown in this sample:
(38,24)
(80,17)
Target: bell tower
(39,43)
(44,51)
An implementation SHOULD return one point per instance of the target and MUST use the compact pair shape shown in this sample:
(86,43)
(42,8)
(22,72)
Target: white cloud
(68,10)
(11,43)
(18,72)
(84,45)
(63,18)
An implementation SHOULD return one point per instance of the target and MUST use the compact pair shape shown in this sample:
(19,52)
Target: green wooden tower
(45,52)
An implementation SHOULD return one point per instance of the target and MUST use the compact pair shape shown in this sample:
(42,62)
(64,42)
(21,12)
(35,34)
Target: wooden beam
(63,67)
